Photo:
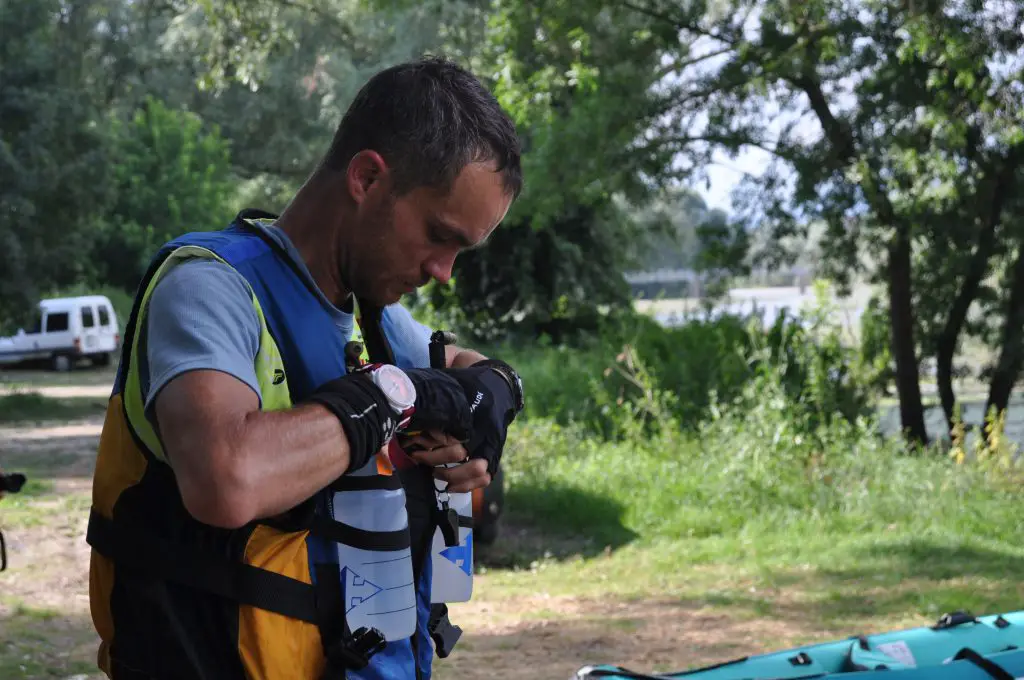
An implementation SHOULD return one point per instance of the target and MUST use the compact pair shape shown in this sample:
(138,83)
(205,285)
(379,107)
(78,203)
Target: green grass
(761,514)
(31,407)
(33,376)
(43,643)
(37,506)
(764,510)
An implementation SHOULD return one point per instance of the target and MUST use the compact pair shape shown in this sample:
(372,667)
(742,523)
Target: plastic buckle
(355,651)
(444,634)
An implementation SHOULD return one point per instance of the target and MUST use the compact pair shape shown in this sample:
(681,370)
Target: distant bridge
(662,276)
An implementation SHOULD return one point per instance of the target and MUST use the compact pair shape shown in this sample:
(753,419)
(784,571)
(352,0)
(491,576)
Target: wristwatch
(512,379)
(397,387)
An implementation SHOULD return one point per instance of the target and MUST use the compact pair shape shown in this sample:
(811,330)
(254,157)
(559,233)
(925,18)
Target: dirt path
(46,632)
(44,594)
(506,639)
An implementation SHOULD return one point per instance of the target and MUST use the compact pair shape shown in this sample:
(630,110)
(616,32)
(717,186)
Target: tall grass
(756,466)
(782,442)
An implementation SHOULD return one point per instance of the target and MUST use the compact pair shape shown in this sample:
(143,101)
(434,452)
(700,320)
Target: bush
(633,358)
(172,175)
(761,463)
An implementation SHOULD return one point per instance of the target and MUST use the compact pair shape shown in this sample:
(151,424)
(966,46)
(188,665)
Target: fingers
(439,449)
(466,477)
(430,439)
(442,455)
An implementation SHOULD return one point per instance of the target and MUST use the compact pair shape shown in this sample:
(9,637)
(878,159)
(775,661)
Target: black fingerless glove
(475,404)
(498,400)
(364,412)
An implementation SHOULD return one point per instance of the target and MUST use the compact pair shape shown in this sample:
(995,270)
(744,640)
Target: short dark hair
(428,119)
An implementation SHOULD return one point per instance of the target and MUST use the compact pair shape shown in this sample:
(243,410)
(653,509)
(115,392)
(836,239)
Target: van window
(104,316)
(56,322)
(87,318)
(37,325)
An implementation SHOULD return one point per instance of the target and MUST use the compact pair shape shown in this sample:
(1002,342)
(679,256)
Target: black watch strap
(515,383)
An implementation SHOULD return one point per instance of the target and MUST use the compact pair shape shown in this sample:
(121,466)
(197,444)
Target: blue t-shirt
(201,316)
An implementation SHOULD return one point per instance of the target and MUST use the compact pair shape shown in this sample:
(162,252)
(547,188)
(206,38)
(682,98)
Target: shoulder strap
(370,319)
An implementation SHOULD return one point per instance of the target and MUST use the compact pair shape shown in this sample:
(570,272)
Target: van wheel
(61,363)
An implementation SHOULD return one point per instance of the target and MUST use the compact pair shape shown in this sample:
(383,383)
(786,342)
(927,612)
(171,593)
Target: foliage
(172,175)
(637,375)
(760,464)
(991,451)
(24,407)
(53,156)
(576,86)
(869,125)
(889,134)
(874,358)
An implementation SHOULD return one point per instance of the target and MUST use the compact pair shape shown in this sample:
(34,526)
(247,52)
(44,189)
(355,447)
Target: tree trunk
(1011,353)
(945,349)
(908,384)
(992,207)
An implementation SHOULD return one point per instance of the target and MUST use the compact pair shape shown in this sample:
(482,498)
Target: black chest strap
(420,494)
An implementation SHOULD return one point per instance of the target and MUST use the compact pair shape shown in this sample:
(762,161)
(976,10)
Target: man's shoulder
(195,271)
(198,284)
(409,337)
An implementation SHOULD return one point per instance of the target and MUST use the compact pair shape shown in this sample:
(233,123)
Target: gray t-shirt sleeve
(200,317)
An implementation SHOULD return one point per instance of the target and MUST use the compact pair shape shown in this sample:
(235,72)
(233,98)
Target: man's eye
(437,236)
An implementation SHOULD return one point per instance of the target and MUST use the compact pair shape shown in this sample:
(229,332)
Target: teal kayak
(958,647)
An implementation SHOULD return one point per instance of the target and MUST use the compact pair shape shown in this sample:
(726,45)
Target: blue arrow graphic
(461,555)
(357,589)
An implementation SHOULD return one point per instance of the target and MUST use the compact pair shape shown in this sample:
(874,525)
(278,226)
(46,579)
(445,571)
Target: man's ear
(366,171)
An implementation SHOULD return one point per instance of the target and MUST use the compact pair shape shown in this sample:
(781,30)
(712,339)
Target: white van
(65,330)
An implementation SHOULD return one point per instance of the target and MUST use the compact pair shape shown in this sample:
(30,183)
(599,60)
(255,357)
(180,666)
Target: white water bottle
(452,565)
(378,584)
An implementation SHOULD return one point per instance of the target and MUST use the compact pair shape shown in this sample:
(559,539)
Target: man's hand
(436,448)
(476,405)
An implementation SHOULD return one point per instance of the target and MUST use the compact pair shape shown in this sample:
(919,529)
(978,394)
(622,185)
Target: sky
(726,173)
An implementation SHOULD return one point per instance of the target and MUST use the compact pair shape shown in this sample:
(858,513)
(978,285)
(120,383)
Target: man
(242,464)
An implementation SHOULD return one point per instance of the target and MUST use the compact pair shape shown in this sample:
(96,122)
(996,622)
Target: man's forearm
(235,463)
(292,454)
(461,357)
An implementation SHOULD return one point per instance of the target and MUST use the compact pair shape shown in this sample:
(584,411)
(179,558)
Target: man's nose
(440,267)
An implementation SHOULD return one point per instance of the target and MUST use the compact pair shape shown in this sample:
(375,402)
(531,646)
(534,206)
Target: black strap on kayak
(800,659)
(954,619)
(616,672)
(619,672)
(1001,623)
(988,665)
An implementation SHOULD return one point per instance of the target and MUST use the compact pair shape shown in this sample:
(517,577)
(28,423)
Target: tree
(577,86)
(877,128)
(564,245)
(172,175)
(53,156)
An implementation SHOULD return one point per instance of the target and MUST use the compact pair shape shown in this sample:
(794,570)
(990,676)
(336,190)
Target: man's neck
(316,233)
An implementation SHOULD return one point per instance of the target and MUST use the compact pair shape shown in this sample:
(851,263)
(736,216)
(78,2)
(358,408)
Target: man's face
(399,244)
